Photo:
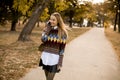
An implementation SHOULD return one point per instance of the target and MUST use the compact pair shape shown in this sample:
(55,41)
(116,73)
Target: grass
(16,58)
(114,38)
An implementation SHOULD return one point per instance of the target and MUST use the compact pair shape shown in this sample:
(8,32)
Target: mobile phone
(49,23)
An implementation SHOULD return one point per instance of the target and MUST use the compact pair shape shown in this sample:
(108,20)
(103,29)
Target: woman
(54,38)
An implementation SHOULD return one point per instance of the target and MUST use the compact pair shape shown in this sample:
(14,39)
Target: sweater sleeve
(60,60)
(45,33)
(61,52)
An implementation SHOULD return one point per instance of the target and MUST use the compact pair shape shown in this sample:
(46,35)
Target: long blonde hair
(61,26)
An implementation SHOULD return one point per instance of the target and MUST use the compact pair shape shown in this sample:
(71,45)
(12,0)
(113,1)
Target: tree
(15,16)
(76,12)
(12,10)
(5,10)
(114,7)
(84,11)
(116,17)
(25,34)
(20,8)
(70,10)
(119,16)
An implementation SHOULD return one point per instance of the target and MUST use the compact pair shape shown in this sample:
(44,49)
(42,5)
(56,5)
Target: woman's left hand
(58,68)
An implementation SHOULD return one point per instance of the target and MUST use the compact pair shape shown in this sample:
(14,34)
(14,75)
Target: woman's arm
(62,49)
(45,33)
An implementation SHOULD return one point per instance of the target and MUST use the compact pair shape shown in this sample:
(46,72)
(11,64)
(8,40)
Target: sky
(94,1)
(97,1)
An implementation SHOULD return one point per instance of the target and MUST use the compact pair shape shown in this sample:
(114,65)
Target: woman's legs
(46,73)
(50,75)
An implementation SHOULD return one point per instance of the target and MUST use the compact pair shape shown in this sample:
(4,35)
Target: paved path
(88,57)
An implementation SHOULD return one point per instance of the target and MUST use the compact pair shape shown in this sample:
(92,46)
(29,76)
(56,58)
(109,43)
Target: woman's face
(53,21)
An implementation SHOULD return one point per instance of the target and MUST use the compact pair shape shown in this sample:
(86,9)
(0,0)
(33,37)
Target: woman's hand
(58,68)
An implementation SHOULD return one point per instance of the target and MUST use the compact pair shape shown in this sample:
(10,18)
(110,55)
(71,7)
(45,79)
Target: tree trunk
(25,34)
(119,23)
(81,22)
(13,25)
(15,17)
(70,22)
(119,16)
(115,20)
(71,14)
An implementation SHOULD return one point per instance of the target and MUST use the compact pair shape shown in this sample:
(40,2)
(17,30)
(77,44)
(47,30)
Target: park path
(88,57)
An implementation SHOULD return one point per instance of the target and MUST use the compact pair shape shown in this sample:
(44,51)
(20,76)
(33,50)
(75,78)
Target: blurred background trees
(74,12)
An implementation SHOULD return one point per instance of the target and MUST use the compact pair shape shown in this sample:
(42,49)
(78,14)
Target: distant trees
(5,10)
(40,10)
(113,7)
(8,13)
(12,10)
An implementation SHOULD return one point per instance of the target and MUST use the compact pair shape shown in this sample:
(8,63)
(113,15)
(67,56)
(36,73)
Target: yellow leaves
(22,5)
(24,9)
(60,6)
(46,10)
(59,0)
(15,6)
(44,15)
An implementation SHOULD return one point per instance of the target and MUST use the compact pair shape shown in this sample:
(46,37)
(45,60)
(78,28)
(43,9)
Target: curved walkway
(88,57)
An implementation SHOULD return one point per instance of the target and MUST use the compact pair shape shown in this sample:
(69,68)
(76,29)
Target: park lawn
(114,38)
(17,58)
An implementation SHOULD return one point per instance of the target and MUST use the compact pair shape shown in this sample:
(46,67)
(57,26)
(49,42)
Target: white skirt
(49,58)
